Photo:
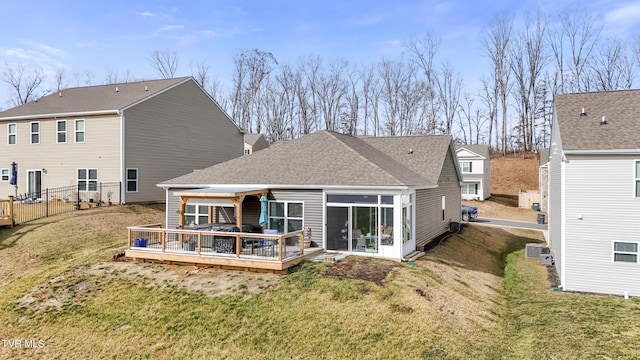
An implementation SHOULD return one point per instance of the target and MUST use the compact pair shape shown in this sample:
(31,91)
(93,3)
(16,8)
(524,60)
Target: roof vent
(410,151)
(59,93)
(603,121)
(146,88)
(583,113)
(117,90)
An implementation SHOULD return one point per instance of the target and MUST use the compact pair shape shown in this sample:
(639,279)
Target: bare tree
(165,62)
(423,52)
(61,82)
(610,67)
(495,43)
(331,90)
(581,31)
(252,67)
(526,59)
(24,84)
(449,86)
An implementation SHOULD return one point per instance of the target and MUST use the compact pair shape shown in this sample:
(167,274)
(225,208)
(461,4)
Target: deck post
(129,231)
(280,241)
(302,242)
(238,245)
(163,234)
(11,214)
(199,241)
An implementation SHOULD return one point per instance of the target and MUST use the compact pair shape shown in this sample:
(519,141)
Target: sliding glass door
(338,228)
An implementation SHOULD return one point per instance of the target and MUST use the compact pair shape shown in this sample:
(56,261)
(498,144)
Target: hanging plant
(178,211)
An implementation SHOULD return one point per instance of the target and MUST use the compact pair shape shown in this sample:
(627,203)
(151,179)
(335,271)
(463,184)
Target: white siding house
(594,192)
(475,167)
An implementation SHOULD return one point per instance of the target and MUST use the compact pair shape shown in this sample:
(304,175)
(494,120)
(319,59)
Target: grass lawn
(474,296)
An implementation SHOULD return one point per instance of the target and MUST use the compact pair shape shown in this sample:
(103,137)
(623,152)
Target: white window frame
(76,131)
(636,180)
(197,214)
(61,132)
(5,174)
(622,252)
(128,180)
(14,133)
(462,167)
(32,133)
(466,186)
(286,216)
(87,180)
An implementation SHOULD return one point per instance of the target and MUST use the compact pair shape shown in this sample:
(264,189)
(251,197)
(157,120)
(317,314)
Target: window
(79,130)
(286,216)
(196,214)
(61,131)
(407,223)
(132,180)
(12,130)
(4,174)
(470,189)
(625,252)
(35,132)
(465,166)
(87,179)
(637,178)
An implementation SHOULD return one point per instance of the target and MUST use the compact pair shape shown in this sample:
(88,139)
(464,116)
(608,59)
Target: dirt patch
(355,267)
(77,285)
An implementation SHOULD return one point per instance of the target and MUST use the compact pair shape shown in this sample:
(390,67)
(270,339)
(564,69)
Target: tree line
(413,94)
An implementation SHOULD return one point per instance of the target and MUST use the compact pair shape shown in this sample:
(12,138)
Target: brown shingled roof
(92,98)
(326,158)
(621,110)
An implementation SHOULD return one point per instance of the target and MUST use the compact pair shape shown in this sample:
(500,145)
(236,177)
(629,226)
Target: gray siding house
(254,142)
(594,191)
(475,167)
(137,134)
(373,196)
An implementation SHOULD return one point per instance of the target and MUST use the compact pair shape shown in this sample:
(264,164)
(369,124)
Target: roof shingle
(621,110)
(91,98)
(330,159)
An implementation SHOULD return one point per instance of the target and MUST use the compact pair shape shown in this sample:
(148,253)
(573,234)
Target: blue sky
(93,36)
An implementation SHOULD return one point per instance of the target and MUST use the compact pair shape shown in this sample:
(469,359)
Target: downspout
(123,200)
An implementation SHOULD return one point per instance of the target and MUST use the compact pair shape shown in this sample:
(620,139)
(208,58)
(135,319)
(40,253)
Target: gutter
(603,152)
(61,115)
(293,186)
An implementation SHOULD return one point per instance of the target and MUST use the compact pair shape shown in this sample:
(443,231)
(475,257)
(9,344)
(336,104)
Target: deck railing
(153,237)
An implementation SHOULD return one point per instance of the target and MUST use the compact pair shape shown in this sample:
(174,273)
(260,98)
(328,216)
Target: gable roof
(482,150)
(252,138)
(584,132)
(91,99)
(326,158)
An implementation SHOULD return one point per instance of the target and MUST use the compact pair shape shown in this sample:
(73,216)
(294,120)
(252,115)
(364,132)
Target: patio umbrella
(263,211)
(14,174)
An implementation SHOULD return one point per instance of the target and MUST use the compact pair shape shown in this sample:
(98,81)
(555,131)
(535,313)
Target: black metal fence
(47,202)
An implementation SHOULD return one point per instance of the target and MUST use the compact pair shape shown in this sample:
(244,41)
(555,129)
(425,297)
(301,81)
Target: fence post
(46,202)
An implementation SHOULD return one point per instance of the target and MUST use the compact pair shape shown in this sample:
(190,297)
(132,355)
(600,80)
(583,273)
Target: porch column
(181,206)
(237,203)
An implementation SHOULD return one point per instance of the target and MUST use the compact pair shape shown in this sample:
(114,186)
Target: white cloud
(23,54)
(622,19)
(172,27)
(146,14)
(52,50)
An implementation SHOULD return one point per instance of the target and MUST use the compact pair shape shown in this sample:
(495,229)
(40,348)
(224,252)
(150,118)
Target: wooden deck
(234,250)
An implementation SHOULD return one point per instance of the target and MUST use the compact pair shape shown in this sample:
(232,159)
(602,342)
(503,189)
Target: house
(543,178)
(254,142)
(475,166)
(594,191)
(373,196)
(136,134)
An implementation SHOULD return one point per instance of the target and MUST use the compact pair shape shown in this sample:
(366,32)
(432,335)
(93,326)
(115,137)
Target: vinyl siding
(429,222)
(555,199)
(100,150)
(480,172)
(313,211)
(601,191)
(175,133)
(312,200)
